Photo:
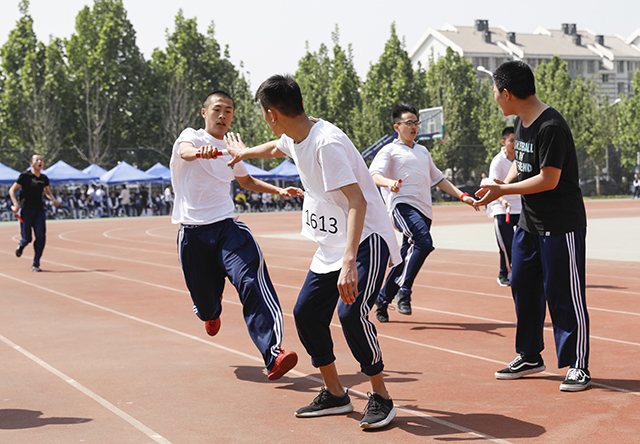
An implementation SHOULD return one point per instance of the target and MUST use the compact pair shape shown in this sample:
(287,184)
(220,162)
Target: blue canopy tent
(287,170)
(259,173)
(94,170)
(8,175)
(126,173)
(160,170)
(63,173)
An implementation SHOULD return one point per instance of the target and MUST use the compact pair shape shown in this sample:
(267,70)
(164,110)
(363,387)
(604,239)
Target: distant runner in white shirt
(405,172)
(506,209)
(344,214)
(213,244)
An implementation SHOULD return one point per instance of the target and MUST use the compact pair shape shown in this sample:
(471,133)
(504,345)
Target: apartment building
(610,60)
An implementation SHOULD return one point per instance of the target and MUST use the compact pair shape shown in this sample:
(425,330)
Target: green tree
(191,67)
(452,83)
(392,80)
(34,99)
(106,69)
(330,85)
(491,120)
(627,136)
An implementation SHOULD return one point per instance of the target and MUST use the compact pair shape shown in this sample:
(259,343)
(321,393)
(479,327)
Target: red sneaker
(285,361)
(212,327)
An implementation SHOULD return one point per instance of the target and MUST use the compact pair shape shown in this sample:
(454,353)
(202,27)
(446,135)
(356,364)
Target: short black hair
(516,77)
(282,93)
(399,109)
(222,94)
(507,132)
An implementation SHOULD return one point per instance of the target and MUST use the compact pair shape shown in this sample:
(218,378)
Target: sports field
(103,346)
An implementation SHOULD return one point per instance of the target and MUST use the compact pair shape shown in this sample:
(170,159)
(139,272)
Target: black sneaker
(19,250)
(378,413)
(504,281)
(403,301)
(35,268)
(577,379)
(382,312)
(326,404)
(521,366)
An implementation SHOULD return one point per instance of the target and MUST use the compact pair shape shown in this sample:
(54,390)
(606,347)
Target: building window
(574,65)
(621,88)
(605,78)
(591,66)
(621,67)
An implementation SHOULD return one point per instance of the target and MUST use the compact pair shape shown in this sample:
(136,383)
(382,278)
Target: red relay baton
(217,153)
(508,217)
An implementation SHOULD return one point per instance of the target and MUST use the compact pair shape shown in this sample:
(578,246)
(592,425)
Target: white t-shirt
(416,169)
(500,166)
(327,160)
(202,186)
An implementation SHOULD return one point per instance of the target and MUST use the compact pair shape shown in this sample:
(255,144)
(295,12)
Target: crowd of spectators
(90,201)
(249,201)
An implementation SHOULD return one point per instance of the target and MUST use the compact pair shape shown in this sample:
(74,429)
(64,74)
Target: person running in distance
(344,214)
(214,245)
(31,209)
(548,255)
(405,172)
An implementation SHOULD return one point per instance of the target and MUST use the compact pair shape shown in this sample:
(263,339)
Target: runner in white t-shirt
(405,172)
(344,214)
(508,204)
(214,245)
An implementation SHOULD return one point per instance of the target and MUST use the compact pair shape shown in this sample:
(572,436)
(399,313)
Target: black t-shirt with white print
(548,143)
(31,190)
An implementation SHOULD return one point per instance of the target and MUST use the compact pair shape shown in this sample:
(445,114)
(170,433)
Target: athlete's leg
(313,312)
(202,271)
(528,293)
(504,237)
(27,215)
(416,227)
(244,264)
(563,260)
(360,333)
(40,231)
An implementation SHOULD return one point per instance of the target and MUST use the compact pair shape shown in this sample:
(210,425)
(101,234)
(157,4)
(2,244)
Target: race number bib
(324,222)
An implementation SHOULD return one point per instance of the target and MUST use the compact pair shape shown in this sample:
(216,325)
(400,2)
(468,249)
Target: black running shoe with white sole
(378,413)
(577,379)
(326,404)
(521,366)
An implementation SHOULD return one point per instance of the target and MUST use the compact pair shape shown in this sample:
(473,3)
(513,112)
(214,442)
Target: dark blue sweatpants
(317,302)
(504,236)
(208,254)
(551,269)
(417,244)
(34,219)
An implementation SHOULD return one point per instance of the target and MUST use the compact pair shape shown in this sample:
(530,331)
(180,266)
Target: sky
(271,37)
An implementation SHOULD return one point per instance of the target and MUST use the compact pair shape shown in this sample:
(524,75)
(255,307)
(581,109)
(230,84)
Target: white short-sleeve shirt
(201,187)
(500,166)
(415,167)
(327,160)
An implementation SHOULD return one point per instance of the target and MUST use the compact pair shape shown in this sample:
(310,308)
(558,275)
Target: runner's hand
(348,283)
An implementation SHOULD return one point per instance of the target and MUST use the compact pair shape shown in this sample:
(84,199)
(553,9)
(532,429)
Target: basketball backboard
(431,123)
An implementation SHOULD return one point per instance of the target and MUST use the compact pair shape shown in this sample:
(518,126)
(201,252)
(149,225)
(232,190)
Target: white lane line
(455,352)
(99,399)
(158,438)
(62,236)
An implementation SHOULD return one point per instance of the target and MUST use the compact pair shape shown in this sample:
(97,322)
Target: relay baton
(216,154)
(18,216)
(508,216)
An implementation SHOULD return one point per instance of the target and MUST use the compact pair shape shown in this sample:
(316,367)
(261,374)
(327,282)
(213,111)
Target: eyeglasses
(410,123)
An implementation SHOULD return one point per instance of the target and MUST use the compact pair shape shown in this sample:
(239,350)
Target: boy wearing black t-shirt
(548,256)
(31,208)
